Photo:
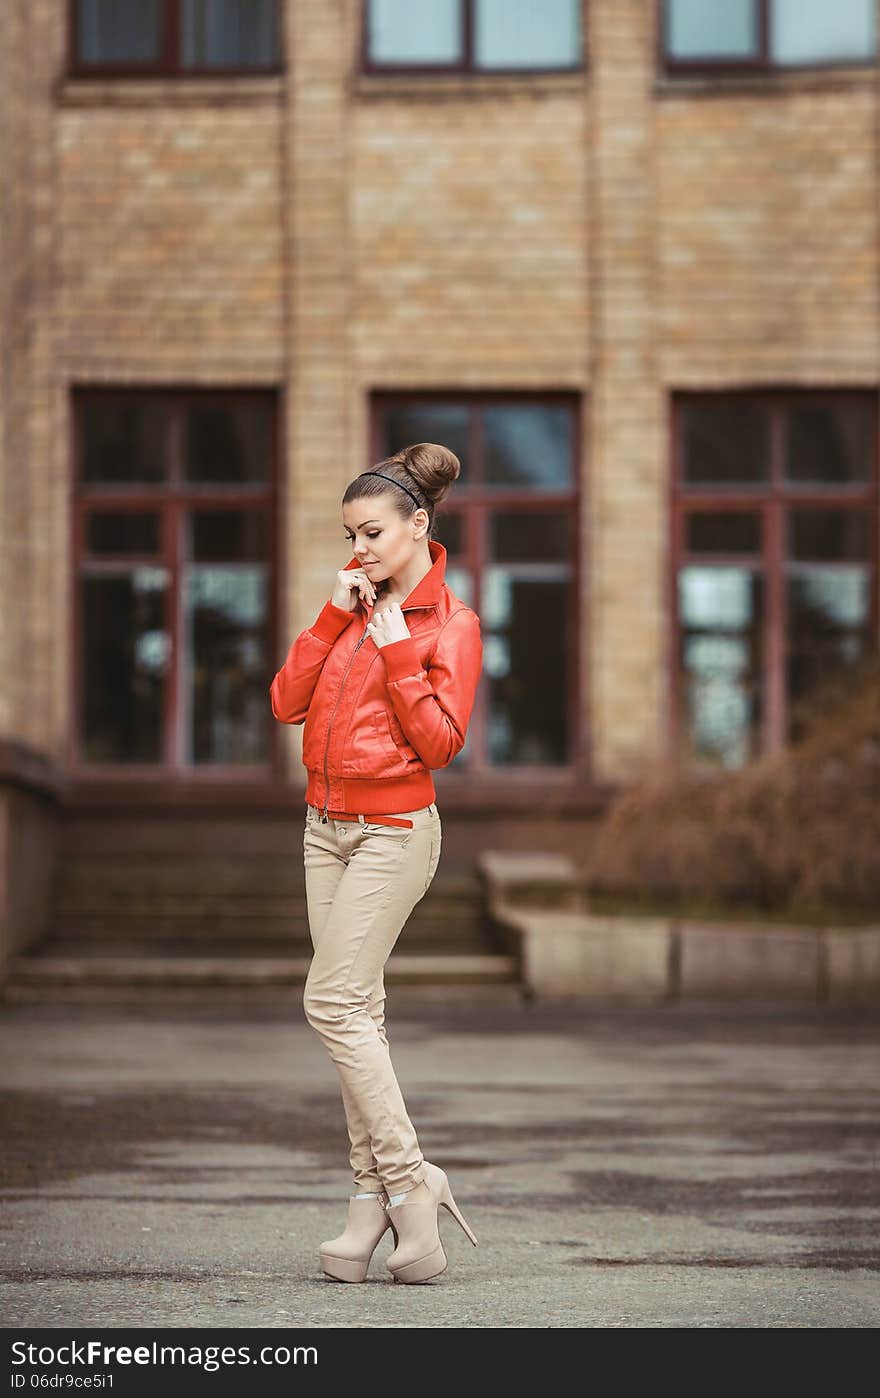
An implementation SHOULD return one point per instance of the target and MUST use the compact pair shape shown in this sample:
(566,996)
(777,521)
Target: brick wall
(330,233)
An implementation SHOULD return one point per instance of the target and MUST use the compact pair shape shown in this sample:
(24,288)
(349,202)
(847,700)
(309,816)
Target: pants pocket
(395,832)
(434,859)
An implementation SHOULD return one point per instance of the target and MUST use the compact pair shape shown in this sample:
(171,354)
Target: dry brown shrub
(795,833)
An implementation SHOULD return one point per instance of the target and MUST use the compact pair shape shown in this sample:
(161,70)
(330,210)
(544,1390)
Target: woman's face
(380,539)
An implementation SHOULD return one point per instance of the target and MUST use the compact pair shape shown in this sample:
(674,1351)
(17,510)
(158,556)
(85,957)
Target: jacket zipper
(324,816)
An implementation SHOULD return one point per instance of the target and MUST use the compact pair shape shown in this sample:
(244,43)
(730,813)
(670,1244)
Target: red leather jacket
(379,718)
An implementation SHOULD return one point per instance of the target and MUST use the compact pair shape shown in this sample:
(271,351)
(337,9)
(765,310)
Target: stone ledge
(565,951)
(531,878)
(186,90)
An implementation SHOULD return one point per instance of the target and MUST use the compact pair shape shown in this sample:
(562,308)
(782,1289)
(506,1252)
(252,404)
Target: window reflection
(124,652)
(401,32)
(225,641)
(229,33)
(721,613)
(698,30)
(828,628)
(811,31)
(529,444)
(525,612)
(527,33)
(225,611)
(109,32)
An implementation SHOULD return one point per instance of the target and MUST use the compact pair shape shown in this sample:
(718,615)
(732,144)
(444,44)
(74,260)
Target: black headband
(394,482)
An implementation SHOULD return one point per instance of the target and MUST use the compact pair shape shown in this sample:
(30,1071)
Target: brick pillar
(628,450)
(33,664)
(319,455)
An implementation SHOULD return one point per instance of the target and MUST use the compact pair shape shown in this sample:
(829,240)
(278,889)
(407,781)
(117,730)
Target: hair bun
(432,466)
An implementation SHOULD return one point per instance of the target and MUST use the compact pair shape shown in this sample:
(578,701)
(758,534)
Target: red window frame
(474,504)
(466,64)
(169,62)
(770,500)
(762,62)
(170,498)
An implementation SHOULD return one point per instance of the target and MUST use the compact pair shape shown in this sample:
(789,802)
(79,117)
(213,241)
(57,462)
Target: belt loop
(362,820)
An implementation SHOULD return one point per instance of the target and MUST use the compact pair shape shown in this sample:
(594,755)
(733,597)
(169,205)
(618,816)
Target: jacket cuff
(401,658)
(331,621)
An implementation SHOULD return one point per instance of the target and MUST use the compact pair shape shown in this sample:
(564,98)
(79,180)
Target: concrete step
(132,978)
(218,937)
(148,874)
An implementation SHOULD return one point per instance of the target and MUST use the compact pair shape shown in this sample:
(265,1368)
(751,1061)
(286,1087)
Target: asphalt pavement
(684,1165)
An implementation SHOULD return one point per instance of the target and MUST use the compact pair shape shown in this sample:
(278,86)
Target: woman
(384,682)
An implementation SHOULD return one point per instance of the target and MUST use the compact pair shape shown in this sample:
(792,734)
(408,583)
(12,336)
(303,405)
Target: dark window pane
(525,660)
(527,33)
(529,445)
(123,662)
(829,444)
(122,532)
(123,441)
(725,443)
(721,618)
(227,442)
(400,32)
(449,531)
(723,531)
(225,662)
(700,30)
(526,601)
(828,628)
(112,32)
(229,33)
(522,536)
(227,536)
(828,535)
(814,31)
(447,423)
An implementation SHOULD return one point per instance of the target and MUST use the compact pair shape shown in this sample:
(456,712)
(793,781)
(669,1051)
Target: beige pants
(362,882)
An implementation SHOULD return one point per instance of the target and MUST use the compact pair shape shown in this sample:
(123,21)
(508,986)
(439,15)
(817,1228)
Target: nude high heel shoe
(419,1253)
(347,1257)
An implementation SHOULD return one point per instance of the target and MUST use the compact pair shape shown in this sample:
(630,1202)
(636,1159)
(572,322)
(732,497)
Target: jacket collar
(427,590)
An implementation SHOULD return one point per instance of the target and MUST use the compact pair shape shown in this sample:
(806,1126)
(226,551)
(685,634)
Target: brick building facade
(633,279)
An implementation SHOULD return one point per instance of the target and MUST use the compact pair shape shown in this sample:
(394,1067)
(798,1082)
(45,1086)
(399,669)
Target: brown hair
(425,470)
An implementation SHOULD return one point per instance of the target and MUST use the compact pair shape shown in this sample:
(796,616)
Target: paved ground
(676,1166)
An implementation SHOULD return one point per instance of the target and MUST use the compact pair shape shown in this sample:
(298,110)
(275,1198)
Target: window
(756,34)
(472,35)
(775,560)
(175,36)
(174,565)
(509,527)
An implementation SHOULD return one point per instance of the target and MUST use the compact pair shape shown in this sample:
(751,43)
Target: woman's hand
(390,625)
(349,583)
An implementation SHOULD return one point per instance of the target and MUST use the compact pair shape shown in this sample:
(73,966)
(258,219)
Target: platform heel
(419,1255)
